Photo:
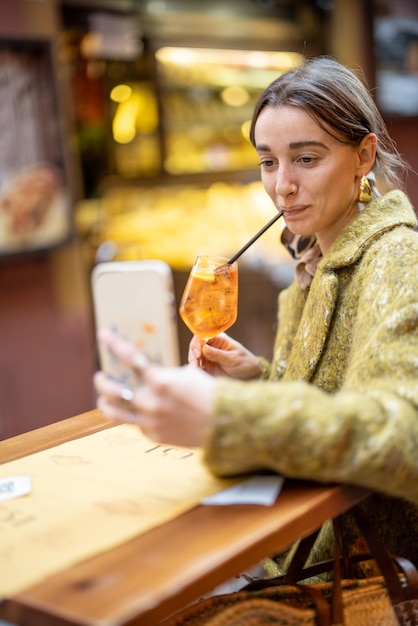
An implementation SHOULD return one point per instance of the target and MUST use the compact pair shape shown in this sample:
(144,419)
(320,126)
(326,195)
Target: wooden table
(158,572)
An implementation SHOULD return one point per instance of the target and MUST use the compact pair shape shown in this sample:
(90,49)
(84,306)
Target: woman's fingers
(194,356)
(123,404)
(124,350)
(172,405)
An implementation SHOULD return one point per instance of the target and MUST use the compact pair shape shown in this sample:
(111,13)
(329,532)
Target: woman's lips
(293,211)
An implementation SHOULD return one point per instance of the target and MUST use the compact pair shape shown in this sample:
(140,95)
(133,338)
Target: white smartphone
(137,300)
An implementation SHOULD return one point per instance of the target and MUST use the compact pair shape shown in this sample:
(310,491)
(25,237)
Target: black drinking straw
(256,236)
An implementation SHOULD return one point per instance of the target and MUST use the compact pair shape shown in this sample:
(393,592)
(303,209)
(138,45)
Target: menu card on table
(92,494)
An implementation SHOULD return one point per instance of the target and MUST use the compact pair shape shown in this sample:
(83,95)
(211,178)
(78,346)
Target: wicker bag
(387,600)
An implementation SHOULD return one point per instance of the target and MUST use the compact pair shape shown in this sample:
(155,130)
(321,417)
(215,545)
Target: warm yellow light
(235,96)
(137,113)
(177,56)
(259,59)
(286,60)
(229,58)
(245,129)
(124,135)
(90,44)
(147,111)
(120,93)
(124,121)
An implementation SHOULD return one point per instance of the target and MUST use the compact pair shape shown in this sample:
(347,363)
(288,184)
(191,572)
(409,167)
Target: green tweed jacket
(339,402)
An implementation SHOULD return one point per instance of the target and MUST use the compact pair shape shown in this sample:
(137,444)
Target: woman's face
(310,176)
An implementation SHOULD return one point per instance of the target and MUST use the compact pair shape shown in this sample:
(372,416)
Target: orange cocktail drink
(209,303)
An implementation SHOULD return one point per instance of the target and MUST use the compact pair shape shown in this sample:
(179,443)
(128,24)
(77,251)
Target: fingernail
(139,363)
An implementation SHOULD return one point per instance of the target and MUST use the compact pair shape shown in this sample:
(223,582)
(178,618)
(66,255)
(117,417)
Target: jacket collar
(379,216)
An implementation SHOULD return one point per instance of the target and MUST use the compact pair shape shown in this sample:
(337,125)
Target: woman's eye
(307,160)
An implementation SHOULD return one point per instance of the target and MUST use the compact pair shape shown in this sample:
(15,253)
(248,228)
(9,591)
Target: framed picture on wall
(34,197)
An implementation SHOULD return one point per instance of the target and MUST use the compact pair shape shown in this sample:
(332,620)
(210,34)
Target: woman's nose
(285,182)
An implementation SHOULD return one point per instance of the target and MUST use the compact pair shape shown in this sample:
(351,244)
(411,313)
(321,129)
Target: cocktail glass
(209,304)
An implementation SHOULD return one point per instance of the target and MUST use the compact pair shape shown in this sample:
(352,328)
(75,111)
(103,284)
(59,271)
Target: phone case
(137,300)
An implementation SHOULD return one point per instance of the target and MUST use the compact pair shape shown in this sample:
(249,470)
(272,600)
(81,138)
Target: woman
(339,402)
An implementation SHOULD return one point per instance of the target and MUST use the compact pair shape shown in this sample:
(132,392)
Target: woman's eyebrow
(296,145)
(303,144)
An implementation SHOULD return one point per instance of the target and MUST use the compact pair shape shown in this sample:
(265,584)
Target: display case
(163,129)
(168,90)
(207,98)
(175,111)
(34,198)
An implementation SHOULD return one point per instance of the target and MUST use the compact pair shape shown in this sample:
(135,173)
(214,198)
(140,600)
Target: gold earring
(365,194)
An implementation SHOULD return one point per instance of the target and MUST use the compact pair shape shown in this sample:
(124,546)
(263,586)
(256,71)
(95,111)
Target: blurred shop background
(123,135)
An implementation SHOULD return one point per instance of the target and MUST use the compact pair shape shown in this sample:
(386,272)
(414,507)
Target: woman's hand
(170,404)
(224,356)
